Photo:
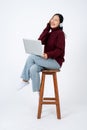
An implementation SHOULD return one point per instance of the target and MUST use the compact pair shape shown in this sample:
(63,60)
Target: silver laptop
(33,47)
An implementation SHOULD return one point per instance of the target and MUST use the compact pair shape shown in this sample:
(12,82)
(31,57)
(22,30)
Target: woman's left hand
(45,56)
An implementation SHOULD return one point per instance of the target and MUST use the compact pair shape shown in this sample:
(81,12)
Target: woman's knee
(29,57)
(33,69)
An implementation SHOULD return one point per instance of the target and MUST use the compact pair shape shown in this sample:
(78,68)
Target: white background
(26,19)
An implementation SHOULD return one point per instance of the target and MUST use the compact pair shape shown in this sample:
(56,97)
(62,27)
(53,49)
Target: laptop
(33,47)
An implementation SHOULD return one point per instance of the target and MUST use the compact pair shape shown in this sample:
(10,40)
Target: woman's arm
(44,34)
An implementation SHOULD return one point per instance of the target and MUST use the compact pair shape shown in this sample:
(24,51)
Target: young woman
(54,40)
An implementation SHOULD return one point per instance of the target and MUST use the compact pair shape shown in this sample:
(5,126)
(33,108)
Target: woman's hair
(61,20)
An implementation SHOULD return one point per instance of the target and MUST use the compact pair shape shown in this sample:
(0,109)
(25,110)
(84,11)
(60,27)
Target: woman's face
(55,21)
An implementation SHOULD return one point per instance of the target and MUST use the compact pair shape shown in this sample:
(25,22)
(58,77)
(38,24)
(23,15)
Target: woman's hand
(45,56)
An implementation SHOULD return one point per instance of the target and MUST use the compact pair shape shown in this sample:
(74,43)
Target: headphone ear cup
(61,24)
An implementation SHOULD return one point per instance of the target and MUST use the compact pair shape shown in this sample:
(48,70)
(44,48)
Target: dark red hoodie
(54,42)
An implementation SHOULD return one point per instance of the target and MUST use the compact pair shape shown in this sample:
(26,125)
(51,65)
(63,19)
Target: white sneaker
(22,84)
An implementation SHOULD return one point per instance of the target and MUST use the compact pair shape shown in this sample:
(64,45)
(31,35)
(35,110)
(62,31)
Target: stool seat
(50,71)
(49,100)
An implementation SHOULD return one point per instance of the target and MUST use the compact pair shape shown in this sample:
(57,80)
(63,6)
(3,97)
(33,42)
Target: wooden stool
(49,100)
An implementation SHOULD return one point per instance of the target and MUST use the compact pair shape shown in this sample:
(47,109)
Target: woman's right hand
(48,25)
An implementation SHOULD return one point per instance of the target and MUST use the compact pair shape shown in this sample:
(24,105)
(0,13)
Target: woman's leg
(33,66)
(40,64)
(46,63)
(26,71)
(35,76)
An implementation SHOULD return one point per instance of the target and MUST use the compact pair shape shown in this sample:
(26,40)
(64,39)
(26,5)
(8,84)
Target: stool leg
(56,96)
(41,96)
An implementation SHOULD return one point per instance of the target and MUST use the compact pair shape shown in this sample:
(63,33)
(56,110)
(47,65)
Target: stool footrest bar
(48,103)
(49,98)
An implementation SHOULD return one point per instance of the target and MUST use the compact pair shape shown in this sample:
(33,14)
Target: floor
(19,112)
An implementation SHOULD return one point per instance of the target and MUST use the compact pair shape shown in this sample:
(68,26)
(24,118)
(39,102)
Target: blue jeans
(33,66)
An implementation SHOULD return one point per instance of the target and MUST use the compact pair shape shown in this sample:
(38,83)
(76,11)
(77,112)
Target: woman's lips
(52,24)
